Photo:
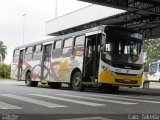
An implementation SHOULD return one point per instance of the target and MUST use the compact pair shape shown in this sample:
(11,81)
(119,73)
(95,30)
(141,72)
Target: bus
(103,56)
(154,71)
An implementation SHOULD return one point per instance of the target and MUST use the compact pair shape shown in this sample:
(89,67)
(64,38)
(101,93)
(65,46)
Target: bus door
(20,64)
(91,57)
(47,48)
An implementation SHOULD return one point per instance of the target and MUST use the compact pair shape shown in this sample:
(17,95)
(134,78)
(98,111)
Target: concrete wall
(86,15)
(145,77)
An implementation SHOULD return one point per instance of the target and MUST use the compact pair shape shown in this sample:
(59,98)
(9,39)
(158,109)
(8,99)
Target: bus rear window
(16,56)
(16,53)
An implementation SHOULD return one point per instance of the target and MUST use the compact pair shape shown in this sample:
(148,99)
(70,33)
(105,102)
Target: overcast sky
(37,13)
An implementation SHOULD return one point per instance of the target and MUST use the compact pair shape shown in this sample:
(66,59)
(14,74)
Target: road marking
(70,100)
(8,106)
(34,101)
(88,118)
(127,96)
(97,99)
(128,99)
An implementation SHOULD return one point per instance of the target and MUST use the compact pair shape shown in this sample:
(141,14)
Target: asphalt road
(20,102)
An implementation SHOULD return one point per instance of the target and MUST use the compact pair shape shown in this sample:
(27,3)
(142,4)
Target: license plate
(127,80)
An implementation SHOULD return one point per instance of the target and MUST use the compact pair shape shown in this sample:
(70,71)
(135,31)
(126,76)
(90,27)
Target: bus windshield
(153,69)
(121,45)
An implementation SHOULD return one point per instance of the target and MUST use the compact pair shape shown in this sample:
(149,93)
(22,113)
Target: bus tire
(29,82)
(55,85)
(77,82)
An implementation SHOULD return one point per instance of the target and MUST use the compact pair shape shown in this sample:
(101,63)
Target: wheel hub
(77,81)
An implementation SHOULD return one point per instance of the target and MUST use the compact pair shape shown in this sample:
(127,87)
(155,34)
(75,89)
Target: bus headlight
(111,72)
(108,70)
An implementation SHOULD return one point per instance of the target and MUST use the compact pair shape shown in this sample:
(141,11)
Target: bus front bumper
(107,78)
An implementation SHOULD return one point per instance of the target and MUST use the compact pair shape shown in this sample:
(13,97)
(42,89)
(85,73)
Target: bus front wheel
(29,82)
(77,82)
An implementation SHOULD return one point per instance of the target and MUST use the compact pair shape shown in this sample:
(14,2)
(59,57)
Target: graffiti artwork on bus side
(57,75)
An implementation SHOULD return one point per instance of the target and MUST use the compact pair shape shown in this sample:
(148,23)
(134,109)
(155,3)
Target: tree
(5,70)
(152,48)
(3,51)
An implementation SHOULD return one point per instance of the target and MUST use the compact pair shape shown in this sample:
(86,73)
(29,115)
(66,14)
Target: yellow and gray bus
(106,56)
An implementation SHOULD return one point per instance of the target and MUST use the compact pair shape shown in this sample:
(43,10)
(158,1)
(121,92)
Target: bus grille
(126,74)
(128,66)
(126,81)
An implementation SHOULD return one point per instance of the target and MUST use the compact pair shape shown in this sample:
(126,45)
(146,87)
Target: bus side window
(67,49)
(28,53)
(16,56)
(79,46)
(37,52)
(57,49)
(47,54)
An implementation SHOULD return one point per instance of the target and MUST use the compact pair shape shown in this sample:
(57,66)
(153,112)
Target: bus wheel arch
(76,80)
(28,79)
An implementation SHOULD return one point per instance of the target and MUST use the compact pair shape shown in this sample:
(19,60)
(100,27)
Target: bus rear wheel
(77,82)
(29,82)
(55,85)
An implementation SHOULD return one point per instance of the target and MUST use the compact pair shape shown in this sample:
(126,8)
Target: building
(79,19)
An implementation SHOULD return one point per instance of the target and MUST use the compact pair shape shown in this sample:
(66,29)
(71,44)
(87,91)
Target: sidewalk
(11,82)
(154,85)
(153,90)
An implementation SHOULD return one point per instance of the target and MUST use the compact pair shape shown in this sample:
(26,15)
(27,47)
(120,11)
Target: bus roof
(64,36)
(101,28)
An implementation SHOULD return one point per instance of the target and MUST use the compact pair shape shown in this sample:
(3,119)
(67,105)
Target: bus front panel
(121,58)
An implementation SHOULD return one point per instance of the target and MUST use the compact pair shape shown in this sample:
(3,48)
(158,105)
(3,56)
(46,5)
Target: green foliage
(152,48)
(5,70)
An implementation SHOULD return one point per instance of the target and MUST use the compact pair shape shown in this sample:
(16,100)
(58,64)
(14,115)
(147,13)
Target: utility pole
(24,15)
(56,9)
